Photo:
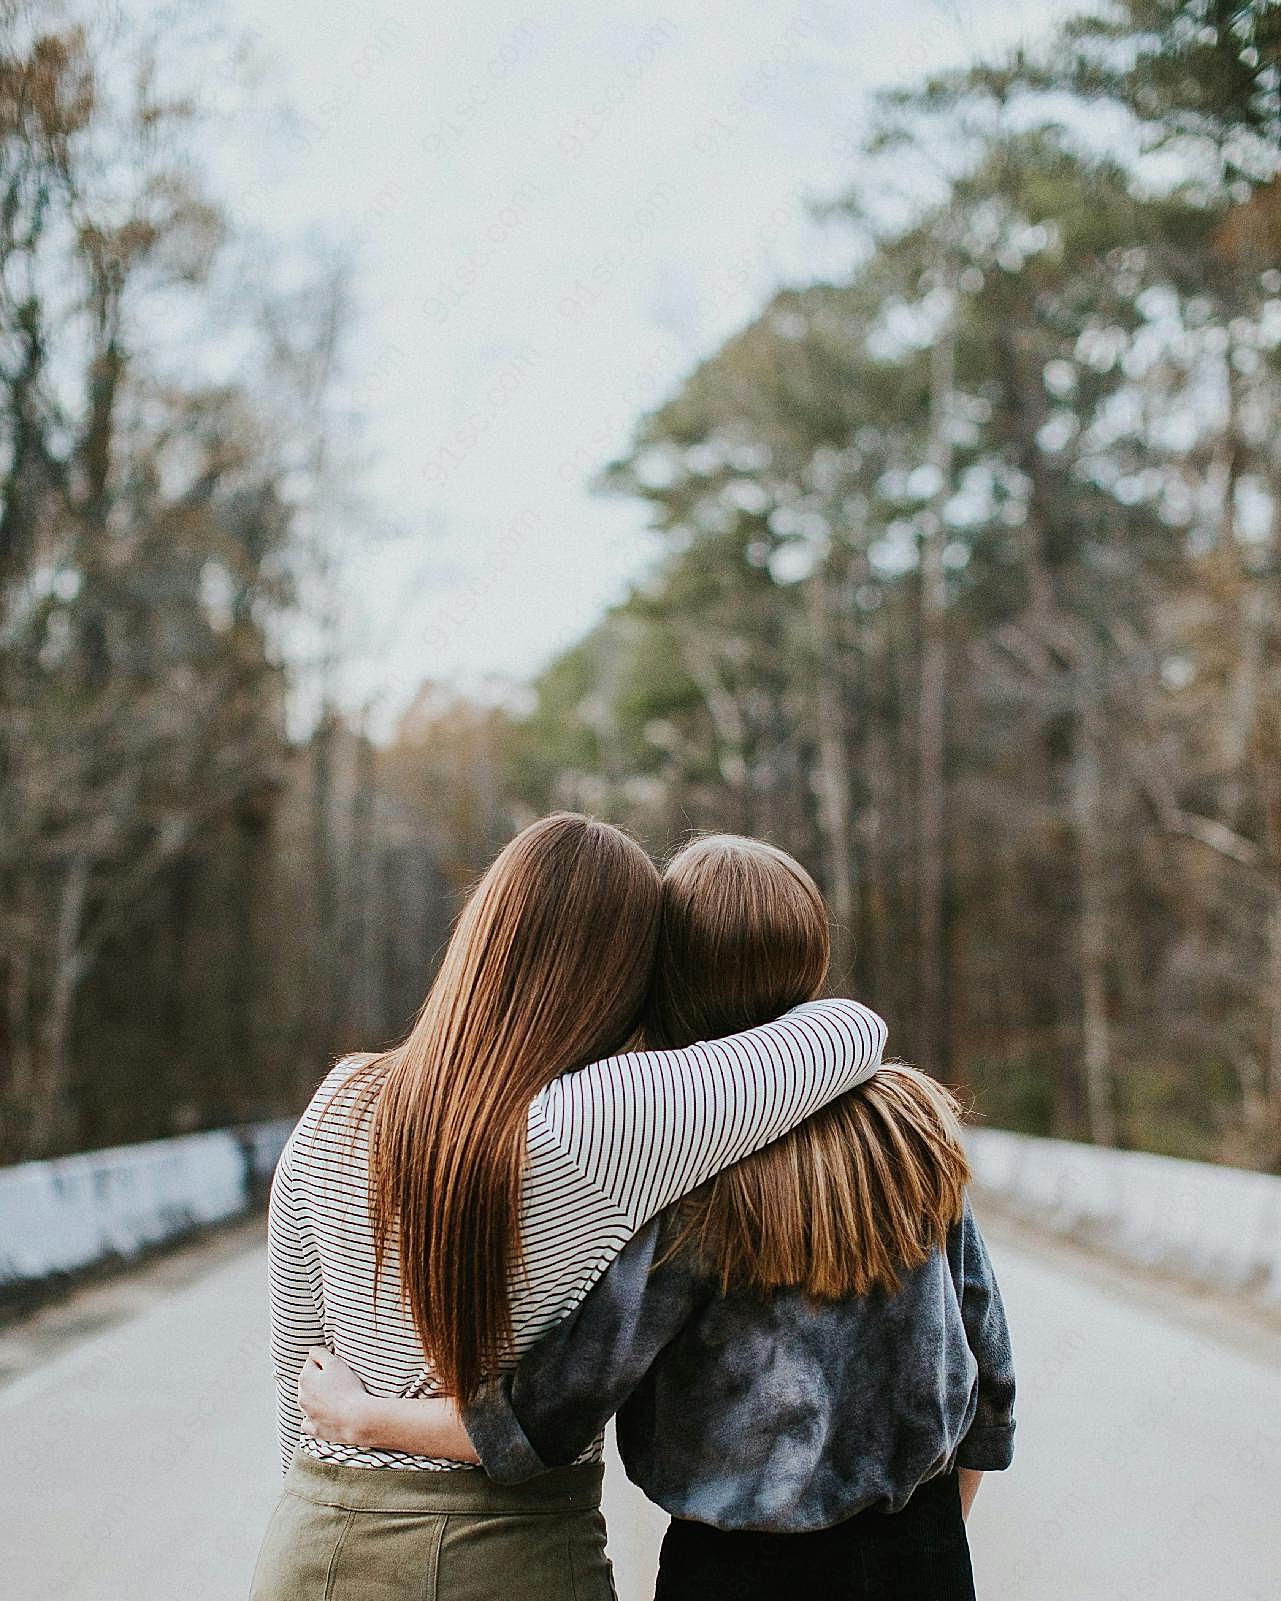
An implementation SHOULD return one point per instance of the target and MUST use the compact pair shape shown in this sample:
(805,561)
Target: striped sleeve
(297,1300)
(647,1127)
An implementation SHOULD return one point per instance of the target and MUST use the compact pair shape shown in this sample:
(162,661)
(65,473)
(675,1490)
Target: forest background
(968,592)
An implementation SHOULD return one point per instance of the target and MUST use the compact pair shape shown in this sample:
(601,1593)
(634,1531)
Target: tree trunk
(931,719)
(831,781)
(51,1110)
(317,1029)
(1273,993)
(727,724)
(1092,932)
(357,958)
(19,1077)
(878,841)
(1249,599)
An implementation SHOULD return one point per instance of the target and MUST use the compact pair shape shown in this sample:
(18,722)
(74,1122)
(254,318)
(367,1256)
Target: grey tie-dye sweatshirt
(780,1414)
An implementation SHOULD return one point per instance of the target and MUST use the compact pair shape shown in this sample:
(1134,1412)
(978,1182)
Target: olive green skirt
(342,1533)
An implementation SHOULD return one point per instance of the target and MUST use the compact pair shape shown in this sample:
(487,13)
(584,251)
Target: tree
(963,540)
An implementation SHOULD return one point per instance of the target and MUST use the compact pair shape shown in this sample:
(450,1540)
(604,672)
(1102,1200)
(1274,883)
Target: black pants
(918,1554)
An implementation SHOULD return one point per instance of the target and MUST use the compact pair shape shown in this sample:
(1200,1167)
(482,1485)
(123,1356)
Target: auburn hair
(546,971)
(862,1190)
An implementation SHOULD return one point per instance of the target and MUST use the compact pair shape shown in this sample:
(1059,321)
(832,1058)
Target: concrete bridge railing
(1217,1226)
(61,1216)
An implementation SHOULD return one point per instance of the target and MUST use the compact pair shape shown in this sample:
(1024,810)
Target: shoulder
(342,1080)
(965,1240)
(329,1086)
(327,1114)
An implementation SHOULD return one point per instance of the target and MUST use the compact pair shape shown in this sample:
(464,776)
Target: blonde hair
(861,1191)
(546,971)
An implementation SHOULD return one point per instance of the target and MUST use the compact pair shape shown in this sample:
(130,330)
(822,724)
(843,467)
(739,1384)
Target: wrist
(363,1423)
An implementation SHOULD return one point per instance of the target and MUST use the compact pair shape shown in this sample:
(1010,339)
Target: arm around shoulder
(647,1127)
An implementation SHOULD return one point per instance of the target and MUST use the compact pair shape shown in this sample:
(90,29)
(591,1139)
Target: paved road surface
(138,1464)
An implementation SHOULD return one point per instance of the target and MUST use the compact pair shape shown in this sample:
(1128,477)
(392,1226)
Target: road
(138,1461)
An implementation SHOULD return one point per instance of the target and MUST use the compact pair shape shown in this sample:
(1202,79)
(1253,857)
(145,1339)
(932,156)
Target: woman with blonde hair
(809,1352)
(443,1204)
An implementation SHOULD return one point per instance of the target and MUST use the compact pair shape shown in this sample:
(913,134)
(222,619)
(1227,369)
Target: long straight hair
(546,971)
(862,1190)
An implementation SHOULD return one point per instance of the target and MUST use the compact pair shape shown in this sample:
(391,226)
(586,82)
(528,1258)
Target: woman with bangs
(807,1355)
(443,1204)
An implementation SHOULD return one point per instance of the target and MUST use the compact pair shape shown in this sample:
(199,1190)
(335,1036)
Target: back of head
(862,1190)
(547,970)
(743,937)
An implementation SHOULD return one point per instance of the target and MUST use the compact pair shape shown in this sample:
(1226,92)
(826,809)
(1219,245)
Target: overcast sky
(555,209)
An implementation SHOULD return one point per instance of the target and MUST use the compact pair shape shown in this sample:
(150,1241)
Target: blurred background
(861,431)
(855,426)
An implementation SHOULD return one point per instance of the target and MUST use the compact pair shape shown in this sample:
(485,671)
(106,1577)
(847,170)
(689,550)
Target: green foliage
(1016,449)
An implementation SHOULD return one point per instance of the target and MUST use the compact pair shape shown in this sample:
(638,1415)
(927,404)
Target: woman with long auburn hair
(809,1351)
(441,1205)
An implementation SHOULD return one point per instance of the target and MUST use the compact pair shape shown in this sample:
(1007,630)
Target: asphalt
(138,1461)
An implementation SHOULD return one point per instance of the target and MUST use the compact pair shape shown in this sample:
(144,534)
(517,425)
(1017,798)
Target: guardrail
(1217,1226)
(62,1216)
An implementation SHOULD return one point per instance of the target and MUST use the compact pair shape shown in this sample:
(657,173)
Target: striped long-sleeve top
(608,1147)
